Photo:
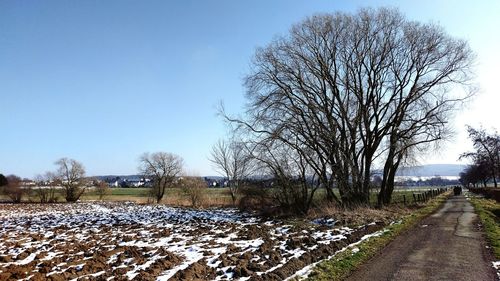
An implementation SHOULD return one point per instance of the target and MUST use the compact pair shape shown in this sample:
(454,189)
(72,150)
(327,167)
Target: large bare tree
(71,174)
(162,168)
(231,159)
(350,90)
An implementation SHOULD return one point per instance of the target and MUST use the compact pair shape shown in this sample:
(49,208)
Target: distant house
(216,181)
(27,183)
(115,183)
(134,182)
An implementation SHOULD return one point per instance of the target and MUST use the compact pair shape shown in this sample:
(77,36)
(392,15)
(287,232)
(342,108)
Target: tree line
(485,159)
(162,168)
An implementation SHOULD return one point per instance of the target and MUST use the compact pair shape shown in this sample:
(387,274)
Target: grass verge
(341,265)
(489,214)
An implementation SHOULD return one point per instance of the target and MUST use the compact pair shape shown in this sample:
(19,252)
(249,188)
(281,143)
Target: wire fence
(412,198)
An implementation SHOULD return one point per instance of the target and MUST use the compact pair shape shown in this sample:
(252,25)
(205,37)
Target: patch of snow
(27,260)
(496,265)
(304,272)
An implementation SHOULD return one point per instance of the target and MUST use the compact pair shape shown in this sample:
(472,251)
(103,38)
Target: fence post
(404,200)
(414,199)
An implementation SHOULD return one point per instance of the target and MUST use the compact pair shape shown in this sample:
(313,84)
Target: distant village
(137,181)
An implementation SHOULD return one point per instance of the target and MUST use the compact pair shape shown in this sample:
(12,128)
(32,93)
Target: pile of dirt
(197,271)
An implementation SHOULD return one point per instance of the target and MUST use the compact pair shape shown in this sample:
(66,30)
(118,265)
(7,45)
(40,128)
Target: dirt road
(445,246)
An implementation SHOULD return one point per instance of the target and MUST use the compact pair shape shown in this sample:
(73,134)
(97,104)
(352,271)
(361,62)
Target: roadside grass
(489,214)
(342,264)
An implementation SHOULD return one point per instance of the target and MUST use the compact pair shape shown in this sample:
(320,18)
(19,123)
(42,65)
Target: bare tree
(41,191)
(348,90)
(475,174)
(295,181)
(194,188)
(162,168)
(71,175)
(487,153)
(46,187)
(231,159)
(102,189)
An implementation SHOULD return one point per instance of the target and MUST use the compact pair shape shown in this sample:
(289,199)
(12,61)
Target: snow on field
(107,241)
(496,265)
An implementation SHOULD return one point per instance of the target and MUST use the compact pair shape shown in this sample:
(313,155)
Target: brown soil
(78,250)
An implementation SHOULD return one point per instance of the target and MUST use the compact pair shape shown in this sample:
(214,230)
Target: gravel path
(447,245)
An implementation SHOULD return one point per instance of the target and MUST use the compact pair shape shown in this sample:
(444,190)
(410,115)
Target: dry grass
(489,213)
(208,201)
(360,215)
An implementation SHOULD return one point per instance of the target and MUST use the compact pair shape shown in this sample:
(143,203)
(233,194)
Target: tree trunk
(389,186)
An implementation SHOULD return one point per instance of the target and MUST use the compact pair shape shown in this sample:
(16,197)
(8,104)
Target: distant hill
(122,177)
(442,170)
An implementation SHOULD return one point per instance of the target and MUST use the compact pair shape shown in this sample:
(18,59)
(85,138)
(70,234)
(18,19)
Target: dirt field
(128,241)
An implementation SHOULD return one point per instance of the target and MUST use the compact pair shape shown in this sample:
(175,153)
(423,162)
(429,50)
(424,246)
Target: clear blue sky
(104,81)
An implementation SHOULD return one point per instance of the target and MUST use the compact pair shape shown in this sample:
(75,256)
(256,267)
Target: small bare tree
(41,191)
(162,168)
(46,190)
(194,188)
(102,189)
(71,173)
(231,160)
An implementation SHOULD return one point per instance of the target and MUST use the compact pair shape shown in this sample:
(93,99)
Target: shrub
(257,198)
(102,189)
(294,195)
(46,194)
(194,188)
